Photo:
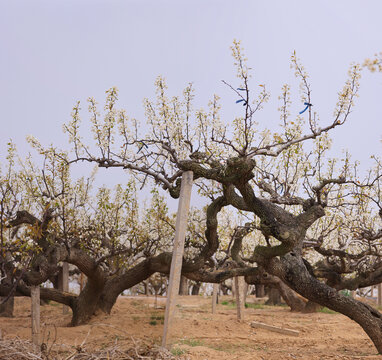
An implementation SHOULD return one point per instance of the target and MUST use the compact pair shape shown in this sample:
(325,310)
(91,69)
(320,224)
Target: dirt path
(198,334)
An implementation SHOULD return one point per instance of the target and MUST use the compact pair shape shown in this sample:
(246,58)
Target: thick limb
(292,270)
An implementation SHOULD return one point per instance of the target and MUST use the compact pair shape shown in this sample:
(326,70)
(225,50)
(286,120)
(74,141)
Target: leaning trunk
(86,304)
(118,284)
(292,270)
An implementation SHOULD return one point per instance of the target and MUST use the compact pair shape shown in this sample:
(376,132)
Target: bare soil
(197,333)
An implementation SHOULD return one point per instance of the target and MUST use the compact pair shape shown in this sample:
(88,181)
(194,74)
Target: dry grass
(18,349)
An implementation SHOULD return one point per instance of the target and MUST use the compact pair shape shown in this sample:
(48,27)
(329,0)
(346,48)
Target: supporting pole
(239,290)
(245,291)
(82,281)
(379,294)
(177,255)
(35,314)
(214,297)
(63,283)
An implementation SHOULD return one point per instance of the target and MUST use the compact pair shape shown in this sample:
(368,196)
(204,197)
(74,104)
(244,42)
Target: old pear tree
(313,221)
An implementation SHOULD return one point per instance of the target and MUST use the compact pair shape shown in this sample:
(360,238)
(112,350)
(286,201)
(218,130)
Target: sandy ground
(199,334)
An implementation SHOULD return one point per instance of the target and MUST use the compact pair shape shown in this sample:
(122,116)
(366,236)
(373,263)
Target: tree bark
(116,285)
(6,309)
(311,307)
(87,303)
(274,297)
(195,289)
(260,291)
(183,286)
(224,288)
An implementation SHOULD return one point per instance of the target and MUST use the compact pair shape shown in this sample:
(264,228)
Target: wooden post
(156,300)
(204,290)
(35,314)
(166,286)
(177,254)
(81,282)
(63,283)
(379,294)
(245,291)
(214,297)
(239,290)
(277,329)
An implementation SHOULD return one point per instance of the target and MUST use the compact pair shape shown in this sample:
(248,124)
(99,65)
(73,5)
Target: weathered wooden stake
(35,314)
(277,329)
(177,254)
(379,294)
(233,290)
(214,297)
(239,290)
(245,292)
(82,281)
(63,283)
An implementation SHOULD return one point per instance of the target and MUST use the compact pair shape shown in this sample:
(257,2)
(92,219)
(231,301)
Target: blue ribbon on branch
(306,108)
(238,101)
(142,145)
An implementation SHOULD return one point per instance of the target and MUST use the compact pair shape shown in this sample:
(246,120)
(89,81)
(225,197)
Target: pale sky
(56,52)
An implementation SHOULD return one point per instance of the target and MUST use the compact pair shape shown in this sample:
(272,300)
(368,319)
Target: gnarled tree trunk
(116,285)
(86,304)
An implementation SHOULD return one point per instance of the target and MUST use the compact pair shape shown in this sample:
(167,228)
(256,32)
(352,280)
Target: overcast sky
(56,52)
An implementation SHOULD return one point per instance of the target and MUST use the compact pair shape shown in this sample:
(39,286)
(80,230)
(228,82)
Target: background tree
(49,219)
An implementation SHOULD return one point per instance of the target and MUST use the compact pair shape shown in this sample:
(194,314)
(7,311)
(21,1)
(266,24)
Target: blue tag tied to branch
(306,108)
(142,145)
(238,101)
